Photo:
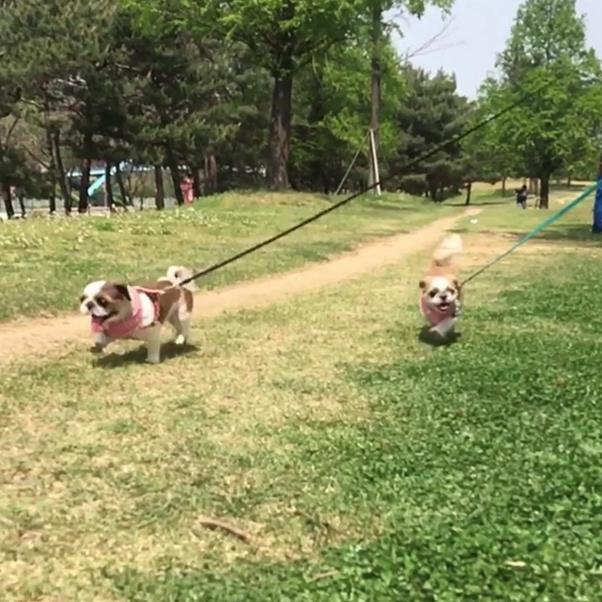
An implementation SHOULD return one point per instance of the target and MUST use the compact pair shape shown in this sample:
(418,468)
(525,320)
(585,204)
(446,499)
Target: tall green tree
(284,36)
(9,159)
(332,107)
(379,37)
(493,148)
(547,59)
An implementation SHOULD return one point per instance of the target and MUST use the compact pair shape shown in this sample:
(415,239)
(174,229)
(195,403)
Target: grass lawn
(364,464)
(45,263)
(503,215)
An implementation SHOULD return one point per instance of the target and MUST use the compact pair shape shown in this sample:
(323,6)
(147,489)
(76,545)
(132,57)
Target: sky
(473,37)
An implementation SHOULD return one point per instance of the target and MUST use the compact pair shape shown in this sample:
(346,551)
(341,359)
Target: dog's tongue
(98,321)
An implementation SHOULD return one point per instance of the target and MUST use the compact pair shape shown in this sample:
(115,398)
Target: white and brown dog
(440,294)
(120,311)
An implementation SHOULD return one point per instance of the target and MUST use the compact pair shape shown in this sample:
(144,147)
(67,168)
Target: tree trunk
(211,173)
(468,192)
(21,198)
(544,197)
(52,197)
(110,199)
(504,186)
(52,173)
(51,160)
(196,183)
(8,201)
(175,175)
(60,169)
(319,166)
(280,126)
(126,200)
(159,188)
(82,206)
(375,84)
(597,225)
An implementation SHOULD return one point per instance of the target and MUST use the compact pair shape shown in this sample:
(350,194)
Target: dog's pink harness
(122,329)
(434,315)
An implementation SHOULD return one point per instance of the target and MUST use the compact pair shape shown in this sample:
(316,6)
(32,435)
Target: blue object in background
(99,182)
(598,208)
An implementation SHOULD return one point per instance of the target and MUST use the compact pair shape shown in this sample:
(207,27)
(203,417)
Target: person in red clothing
(187,189)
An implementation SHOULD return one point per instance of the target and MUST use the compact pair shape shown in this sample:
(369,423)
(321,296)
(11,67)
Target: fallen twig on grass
(325,575)
(213,524)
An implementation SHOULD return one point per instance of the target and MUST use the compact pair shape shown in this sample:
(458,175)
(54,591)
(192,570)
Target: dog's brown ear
(121,291)
(422,284)
(456,283)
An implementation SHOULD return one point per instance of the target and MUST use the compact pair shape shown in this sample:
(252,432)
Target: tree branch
(210,523)
(36,158)
(427,47)
(11,129)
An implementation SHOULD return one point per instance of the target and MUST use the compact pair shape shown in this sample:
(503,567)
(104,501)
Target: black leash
(268,241)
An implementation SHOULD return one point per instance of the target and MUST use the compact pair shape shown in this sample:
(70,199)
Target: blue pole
(597,227)
(96,185)
(99,182)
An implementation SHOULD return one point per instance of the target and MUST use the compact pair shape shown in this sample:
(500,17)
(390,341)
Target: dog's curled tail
(450,247)
(177,273)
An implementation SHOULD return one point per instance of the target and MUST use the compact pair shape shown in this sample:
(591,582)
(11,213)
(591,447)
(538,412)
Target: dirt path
(40,335)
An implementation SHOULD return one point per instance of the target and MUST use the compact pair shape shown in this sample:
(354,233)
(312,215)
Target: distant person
(186,185)
(521,197)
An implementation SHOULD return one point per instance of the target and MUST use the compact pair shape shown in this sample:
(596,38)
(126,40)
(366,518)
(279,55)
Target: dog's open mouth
(444,306)
(100,320)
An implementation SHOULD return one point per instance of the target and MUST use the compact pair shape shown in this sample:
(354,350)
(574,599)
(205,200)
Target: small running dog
(440,294)
(119,311)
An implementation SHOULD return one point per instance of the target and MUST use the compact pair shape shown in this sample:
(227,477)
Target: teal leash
(539,228)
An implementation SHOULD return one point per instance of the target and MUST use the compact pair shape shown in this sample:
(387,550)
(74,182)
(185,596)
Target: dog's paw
(153,359)
(181,340)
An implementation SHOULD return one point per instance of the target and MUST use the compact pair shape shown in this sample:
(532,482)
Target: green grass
(481,463)
(502,215)
(46,263)
(366,464)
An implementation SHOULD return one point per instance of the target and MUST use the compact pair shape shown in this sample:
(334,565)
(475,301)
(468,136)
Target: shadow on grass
(479,203)
(138,356)
(432,339)
(581,233)
(397,207)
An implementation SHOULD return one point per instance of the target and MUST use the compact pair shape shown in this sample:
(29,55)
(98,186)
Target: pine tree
(45,45)
(432,114)
(187,91)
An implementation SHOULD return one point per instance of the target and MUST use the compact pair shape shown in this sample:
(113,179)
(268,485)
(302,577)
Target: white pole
(374,162)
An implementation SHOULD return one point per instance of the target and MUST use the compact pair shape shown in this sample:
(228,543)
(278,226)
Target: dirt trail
(40,335)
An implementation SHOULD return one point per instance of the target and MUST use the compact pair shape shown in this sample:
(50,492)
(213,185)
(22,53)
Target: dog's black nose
(90,305)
